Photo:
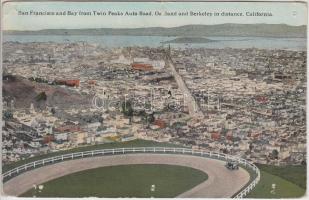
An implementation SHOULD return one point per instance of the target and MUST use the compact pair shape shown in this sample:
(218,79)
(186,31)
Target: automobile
(232,165)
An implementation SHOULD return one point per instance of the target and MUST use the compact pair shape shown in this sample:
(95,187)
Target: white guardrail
(171,150)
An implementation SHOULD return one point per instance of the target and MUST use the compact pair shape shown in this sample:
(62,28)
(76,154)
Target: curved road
(221,182)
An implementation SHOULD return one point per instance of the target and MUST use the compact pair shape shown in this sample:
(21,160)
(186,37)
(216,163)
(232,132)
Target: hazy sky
(283,13)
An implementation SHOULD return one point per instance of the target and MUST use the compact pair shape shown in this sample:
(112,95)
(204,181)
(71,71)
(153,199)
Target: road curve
(221,182)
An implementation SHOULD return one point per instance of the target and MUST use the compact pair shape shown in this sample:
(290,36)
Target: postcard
(173,99)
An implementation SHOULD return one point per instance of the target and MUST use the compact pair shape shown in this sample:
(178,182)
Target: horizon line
(157,26)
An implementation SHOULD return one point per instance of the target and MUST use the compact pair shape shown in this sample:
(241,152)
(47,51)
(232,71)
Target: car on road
(232,165)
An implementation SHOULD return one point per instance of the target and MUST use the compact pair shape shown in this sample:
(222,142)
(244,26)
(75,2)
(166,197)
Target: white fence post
(241,194)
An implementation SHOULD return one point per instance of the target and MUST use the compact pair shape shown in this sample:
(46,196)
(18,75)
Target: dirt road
(221,182)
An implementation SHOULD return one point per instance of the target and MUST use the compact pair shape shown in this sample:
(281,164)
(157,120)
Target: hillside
(290,181)
(24,92)
(258,30)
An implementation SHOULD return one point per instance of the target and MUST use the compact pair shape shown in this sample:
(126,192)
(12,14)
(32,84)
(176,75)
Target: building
(141,66)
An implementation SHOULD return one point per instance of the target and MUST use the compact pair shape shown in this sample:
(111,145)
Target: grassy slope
(290,182)
(124,181)
(295,174)
(134,143)
(291,178)
(284,188)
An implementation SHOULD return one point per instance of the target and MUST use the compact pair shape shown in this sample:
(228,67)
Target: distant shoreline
(85,34)
(191,40)
(221,30)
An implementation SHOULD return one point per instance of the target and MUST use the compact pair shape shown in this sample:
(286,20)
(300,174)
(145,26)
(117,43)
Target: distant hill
(259,30)
(189,40)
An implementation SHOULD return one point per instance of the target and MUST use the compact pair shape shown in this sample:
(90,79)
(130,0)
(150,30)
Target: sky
(283,13)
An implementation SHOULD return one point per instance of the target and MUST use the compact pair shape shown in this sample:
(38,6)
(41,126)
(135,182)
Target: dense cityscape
(245,102)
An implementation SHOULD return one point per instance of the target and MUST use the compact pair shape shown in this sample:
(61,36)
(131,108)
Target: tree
(251,147)
(53,111)
(127,109)
(151,118)
(7,115)
(275,154)
(41,96)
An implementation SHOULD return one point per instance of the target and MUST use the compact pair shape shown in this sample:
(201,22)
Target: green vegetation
(292,173)
(274,154)
(41,96)
(133,143)
(284,188)
(253,175)
(127,108)
(7,115)
(146,118)
(290,182)
(178,124)
(124,181)
(38,80)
